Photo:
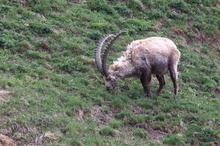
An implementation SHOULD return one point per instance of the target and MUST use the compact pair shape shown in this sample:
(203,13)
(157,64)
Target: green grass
(56,96)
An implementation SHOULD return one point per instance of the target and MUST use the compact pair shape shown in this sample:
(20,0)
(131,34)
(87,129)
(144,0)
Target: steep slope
(52,94)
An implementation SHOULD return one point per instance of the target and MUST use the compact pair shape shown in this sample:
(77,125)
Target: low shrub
(107,131)
(140,133)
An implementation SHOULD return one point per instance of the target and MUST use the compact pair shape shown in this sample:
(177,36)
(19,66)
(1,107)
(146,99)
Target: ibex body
(142,58)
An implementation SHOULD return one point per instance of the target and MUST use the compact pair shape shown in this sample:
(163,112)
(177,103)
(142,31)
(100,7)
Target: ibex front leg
(161,80)
(145,80)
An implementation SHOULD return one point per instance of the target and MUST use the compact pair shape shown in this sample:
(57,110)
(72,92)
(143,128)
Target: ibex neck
(122,68)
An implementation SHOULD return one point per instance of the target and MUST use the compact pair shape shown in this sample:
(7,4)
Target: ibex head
(110,79)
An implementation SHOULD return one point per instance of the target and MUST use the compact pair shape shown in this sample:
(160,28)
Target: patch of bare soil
(217,91)
(18,132)
(102,118)
(79,1)
(157,135)
(48,136)
(27,3)
(6,141)
(4,94)
(198,37)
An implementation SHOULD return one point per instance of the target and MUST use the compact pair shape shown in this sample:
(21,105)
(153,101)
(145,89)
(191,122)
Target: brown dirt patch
(6,141)
(18,132)
(157,135)
(102,118)
(4,94)
(198,37)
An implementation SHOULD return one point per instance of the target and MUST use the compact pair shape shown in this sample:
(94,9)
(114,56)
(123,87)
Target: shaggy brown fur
(143,58)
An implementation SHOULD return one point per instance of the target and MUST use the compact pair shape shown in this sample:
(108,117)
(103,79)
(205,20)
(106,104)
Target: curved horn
(105,54)
(98,52)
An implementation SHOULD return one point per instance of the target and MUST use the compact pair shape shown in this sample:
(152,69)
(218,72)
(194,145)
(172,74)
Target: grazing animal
(154,55)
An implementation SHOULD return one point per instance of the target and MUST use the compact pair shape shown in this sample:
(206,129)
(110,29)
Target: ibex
(154,55)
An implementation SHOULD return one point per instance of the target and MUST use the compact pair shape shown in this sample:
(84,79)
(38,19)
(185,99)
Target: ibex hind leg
(174,77)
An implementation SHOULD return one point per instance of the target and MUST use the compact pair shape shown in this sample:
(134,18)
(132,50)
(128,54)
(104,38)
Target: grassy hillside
(52,94)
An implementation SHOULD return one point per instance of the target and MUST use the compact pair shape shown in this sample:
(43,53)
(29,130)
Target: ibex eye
(108,79)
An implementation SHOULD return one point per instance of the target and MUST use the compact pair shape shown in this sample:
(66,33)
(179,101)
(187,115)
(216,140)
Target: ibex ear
(115,69)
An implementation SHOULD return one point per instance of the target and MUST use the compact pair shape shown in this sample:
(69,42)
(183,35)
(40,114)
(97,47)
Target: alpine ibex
(154,55)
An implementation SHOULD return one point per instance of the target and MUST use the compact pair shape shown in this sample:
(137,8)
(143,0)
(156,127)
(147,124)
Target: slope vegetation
(52,94)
